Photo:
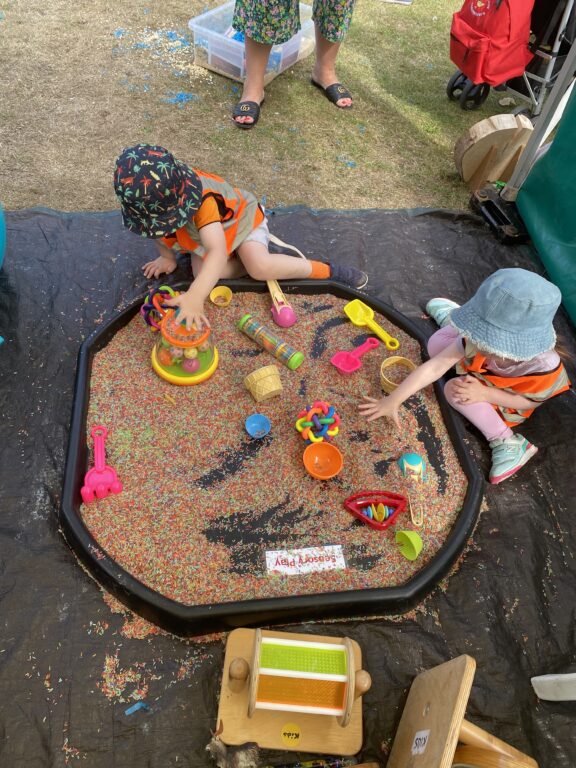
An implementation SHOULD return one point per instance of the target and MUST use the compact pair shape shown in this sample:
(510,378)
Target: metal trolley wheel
(468,94)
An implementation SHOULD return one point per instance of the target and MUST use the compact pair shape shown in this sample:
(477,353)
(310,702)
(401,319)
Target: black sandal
(247,109)
(334,93)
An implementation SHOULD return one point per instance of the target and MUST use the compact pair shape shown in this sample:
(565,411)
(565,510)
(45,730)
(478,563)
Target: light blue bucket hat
(510,315)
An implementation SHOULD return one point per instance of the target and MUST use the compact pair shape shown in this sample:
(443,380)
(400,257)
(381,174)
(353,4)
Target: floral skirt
(276,21)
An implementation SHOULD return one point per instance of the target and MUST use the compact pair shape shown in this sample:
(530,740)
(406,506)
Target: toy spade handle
(99,436)
(369,344)
(391,343)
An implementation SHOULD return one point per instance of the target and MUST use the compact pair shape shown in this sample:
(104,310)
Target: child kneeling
(223,227)
(502,343)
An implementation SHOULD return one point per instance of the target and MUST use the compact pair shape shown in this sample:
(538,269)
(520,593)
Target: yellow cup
(221,296)
(410,544)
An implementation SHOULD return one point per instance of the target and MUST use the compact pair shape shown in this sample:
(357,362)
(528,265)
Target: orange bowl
(322,460)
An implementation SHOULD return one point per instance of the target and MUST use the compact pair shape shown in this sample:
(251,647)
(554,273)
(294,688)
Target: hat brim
(156,227)
(512,345)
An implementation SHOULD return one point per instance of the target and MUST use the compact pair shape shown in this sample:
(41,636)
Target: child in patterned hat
(222,227)
(502,344)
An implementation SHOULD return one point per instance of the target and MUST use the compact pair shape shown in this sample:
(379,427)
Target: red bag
(489,39)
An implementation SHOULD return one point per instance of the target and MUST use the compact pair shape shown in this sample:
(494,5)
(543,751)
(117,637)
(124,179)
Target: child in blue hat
(502,344)
(223,228)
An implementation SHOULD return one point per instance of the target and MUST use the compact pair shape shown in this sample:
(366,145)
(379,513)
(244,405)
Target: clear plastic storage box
(217,46)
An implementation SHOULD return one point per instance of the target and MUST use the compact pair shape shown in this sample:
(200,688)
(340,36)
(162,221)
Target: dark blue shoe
(350,276)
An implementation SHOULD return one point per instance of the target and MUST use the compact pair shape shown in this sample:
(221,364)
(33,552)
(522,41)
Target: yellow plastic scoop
(363,315)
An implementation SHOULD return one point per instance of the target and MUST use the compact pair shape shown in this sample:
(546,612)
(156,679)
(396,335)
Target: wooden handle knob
(362,682)
(238,674)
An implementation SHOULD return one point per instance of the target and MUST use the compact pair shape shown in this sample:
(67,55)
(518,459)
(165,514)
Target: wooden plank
(428,732)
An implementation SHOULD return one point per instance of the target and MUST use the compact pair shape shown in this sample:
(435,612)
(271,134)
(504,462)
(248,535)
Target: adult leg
(331,22)
(256,60)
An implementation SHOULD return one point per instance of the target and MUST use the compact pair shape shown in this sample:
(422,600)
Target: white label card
(291,562)
(420,742)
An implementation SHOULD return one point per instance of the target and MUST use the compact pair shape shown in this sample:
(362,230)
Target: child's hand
(190,309)
(469,389)
(375,409)
(161,265)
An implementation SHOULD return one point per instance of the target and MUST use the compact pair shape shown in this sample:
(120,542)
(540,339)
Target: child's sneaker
(440,310)
(508,456)
(351,276)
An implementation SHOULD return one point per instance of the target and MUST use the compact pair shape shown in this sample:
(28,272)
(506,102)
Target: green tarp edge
(547,204)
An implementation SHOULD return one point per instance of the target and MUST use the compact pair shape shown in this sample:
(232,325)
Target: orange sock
(320,271)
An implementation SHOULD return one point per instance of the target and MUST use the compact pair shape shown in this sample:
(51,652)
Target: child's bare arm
(469,389)
(165,263)
(191,303)
(425,374)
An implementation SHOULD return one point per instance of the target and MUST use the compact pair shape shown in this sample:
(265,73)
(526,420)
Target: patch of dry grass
(81,81)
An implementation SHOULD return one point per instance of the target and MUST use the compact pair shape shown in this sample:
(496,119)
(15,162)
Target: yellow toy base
(184,381)
(272,729)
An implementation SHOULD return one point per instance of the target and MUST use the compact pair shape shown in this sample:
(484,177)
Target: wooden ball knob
(238,673)
(362,682)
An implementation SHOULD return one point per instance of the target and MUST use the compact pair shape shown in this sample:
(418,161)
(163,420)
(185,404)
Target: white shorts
(260,234)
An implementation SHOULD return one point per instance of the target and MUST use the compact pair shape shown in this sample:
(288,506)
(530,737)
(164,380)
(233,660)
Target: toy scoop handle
(99,437)
(369,344)
(391,343)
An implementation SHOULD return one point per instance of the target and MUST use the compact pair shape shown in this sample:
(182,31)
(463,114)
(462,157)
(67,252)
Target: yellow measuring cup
(363,315)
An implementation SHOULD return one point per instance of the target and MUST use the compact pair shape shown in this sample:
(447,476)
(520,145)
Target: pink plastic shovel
(101,480)
(348,362)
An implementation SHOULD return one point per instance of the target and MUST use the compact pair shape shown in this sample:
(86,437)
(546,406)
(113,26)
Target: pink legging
(482,415)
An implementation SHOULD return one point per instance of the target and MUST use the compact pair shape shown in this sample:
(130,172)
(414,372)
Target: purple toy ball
(284,317)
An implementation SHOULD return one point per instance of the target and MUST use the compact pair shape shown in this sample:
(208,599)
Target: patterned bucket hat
(510,315)
(158,193)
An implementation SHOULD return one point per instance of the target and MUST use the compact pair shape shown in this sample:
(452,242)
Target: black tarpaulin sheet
(71,669)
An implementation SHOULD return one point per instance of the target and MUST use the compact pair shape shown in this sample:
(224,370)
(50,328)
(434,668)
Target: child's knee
(450,391)
(256,267)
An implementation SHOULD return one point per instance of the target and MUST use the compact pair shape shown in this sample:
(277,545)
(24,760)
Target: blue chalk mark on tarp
(180,97)
(119,32)
(136,707)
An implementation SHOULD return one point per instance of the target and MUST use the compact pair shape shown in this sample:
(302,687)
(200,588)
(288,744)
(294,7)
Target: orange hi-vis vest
(239,211)
(537,386)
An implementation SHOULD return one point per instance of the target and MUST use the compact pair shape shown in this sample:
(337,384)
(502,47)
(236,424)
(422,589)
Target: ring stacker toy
(268,340)
(221,296)
(348,362)
(410,544)
(264,383)
(282,312)
(101,480)
(363,316)
(378,509)
(183,356)
(152,310)
(433,723)
(394,362)
(257,425)
(322,460)
(292,692)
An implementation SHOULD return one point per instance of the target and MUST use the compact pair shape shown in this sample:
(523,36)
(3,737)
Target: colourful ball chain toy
(319,422)
(151,310)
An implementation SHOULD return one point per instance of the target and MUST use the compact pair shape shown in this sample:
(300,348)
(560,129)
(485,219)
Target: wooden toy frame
(272,729)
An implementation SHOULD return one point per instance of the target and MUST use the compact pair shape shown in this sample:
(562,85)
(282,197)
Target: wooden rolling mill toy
(292,691)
